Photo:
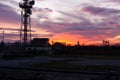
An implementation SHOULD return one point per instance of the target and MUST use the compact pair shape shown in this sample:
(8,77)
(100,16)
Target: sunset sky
(87,21)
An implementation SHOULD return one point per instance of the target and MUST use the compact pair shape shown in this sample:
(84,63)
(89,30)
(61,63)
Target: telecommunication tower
(25,31)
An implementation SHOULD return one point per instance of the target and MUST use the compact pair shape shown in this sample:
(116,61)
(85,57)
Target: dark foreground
(13,73)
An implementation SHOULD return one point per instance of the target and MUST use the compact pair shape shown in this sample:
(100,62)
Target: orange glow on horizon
(69,39)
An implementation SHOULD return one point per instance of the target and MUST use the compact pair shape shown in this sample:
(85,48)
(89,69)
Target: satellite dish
(26,3)
(32,2)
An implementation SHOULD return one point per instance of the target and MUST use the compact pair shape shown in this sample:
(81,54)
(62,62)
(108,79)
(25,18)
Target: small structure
(105,42)
(40,44)
(78,44)
(58,45)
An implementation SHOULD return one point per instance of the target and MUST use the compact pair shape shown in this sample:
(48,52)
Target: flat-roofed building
(40,43)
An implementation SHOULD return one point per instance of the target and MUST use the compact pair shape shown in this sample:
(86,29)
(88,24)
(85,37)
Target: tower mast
(26,6)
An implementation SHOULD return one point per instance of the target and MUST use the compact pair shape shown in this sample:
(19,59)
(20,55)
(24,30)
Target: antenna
(26,6)
(3,36)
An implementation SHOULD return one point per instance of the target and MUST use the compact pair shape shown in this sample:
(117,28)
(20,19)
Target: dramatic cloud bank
(66,20)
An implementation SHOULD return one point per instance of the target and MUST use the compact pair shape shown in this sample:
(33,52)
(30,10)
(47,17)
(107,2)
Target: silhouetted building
(78,44)
(40,42)
(2,46)
(105,43)
(58,45)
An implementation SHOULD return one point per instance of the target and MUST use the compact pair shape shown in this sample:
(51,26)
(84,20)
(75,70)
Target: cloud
(41,10)
(72,27)
(8,15)
(101,11)
(42,35)
(90,31)
(79,23)
(71,15)
(11,29)
(116,1)
(10,37)
(66,21)
(41,13)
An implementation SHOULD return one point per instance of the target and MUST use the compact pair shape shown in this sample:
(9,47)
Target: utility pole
(3,36)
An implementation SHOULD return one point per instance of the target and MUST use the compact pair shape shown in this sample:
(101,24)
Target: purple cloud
(105,28)
(42,35)
(101,11)
(77,16)
(12,2)
(7,14)
(43,10)
(85,28)
(115,1)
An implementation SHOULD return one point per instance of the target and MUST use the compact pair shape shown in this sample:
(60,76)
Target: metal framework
(25,31)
